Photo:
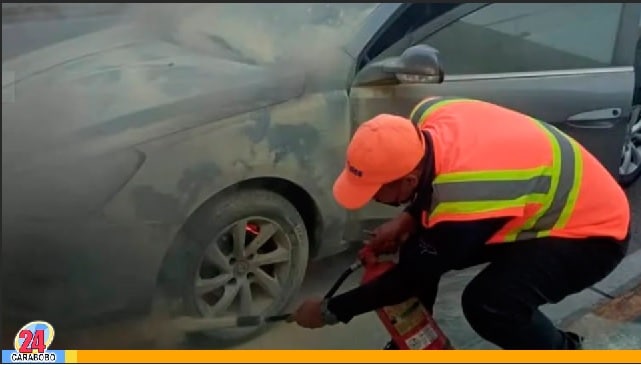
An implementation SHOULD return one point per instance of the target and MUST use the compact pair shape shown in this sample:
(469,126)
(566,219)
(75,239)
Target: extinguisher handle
(367,256)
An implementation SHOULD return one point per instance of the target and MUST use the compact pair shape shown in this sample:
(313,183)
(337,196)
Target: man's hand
(308,314)
(389,235)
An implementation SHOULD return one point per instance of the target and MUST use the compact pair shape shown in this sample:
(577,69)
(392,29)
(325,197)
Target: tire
(209,225)
(632,143)
(627,180)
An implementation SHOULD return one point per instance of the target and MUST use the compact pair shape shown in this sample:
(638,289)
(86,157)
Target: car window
(413,17)
(524,37)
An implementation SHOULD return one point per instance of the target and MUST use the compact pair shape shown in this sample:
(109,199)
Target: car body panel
(563,94)
(133,92)
(286,141)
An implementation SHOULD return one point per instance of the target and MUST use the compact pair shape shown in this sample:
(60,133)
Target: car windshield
(266,32)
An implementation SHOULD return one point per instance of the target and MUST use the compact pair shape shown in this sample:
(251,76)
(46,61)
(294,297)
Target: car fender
(301,141)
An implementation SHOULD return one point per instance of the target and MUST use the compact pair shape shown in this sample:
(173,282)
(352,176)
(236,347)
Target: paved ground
(613,325)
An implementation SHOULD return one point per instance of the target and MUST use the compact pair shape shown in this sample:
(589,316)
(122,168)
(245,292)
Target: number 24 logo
(32,341)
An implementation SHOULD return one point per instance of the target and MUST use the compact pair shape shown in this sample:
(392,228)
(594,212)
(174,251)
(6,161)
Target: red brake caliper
(252,228)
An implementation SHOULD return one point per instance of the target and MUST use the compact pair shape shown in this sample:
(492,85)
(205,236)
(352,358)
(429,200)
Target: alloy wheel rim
(631,157)
(243,269)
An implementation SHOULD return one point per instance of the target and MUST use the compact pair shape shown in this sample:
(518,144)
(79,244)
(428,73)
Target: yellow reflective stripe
(423,109)
(483,190)
(555,187)
(484,206)
(493,175)
(469,192)
(569,183)
(559,205)
(547,202)
(576,187)
(576,182)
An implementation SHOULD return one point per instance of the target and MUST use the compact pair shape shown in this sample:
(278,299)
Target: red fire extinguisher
(409,323)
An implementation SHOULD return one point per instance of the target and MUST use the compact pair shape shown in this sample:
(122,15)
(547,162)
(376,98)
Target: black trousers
(502,302)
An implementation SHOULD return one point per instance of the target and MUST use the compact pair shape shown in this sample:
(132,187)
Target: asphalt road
(614,325)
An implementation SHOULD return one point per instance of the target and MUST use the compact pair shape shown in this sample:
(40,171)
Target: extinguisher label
(422,339)
(406,316)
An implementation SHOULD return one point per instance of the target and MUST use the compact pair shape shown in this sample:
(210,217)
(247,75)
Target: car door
(568,64)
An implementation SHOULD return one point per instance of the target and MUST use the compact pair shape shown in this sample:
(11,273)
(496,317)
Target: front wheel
(245,255)
(630,167)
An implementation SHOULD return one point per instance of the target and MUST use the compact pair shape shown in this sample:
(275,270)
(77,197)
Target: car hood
(121,85)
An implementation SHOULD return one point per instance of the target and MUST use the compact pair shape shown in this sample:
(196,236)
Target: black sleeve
(456,244)
(383,291)
(414,209)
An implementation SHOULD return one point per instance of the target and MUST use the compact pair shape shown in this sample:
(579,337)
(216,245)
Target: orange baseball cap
(383,149)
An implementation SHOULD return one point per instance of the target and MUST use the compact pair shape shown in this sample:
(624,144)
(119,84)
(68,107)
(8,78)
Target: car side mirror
(418,64)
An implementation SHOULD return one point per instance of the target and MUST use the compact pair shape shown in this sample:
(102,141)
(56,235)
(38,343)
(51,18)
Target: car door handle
(600,118)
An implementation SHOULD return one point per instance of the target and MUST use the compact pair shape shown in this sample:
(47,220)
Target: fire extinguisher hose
(341,279)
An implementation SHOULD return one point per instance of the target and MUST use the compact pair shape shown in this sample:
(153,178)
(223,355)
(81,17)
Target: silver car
(189,154)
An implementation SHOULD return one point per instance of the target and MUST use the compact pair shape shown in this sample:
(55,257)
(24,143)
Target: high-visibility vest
(491,161)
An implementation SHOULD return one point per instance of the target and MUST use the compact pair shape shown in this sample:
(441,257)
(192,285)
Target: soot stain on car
(297,140)
(157,207)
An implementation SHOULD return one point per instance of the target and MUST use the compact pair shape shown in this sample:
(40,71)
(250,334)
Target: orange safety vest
(493,162)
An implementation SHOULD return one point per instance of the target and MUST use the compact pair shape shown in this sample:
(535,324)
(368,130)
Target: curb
(623,278)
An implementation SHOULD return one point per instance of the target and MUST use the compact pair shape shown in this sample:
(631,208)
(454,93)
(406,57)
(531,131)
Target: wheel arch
(292,192)
(300,198)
